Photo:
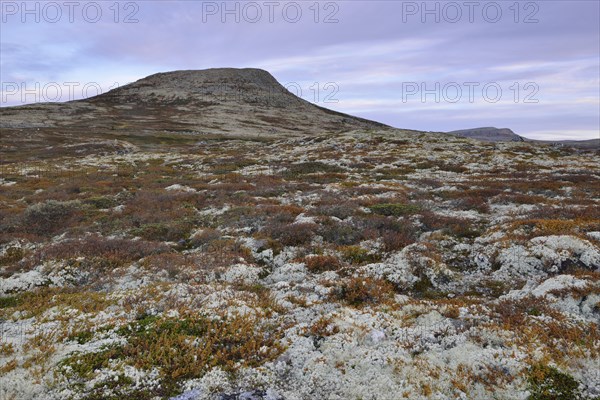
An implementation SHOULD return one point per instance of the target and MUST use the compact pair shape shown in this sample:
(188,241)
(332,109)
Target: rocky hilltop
(239,102)
(226,100)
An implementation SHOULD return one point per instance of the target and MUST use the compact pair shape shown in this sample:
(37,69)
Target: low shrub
(393,173)
(204,237)
(459,227)
(12,255)
(459,169)
(428,164)
(282,214)
(247,217)
(324,178)
(164,231)
(318,264)
(117,251)
(395,209)
(320,329)
(36,302)
(585,213)
(514,312)
(101,202)
(268,185)
(547,227)
(49,217)
(181,349)
(339,233)
(156,212)
(393,241)
(177,265)
(337,208)
(424,288)
(517,198)
(357,255)
(359,291)
(292,234)
(479,204)
(310,167)
(323,327)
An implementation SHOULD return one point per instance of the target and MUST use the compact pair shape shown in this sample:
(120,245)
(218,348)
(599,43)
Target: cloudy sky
(532,66)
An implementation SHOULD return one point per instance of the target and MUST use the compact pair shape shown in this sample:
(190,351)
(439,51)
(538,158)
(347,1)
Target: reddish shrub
(291,234)
(50,217)
(360,291)
(459,227)
(319,264)
(157,207)
(393,241)
(339,233)
(477,203)
(117,250)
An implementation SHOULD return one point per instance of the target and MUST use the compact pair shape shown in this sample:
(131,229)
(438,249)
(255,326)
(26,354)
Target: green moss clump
(8,302)
(101,202)
(358,255)
(548,383)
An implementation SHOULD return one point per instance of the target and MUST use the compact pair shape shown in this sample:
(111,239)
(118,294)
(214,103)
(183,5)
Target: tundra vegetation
(370,264)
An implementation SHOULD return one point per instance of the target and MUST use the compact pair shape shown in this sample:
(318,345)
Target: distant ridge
(590,144)
(489,134)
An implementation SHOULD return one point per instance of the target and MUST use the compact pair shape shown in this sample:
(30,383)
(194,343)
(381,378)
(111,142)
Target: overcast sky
(532,66)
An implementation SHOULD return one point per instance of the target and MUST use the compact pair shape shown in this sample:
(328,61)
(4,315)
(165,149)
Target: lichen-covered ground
(365,265)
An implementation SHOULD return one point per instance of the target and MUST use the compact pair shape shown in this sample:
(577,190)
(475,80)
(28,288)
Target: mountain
(489,134)
(244,102)
(174,108)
